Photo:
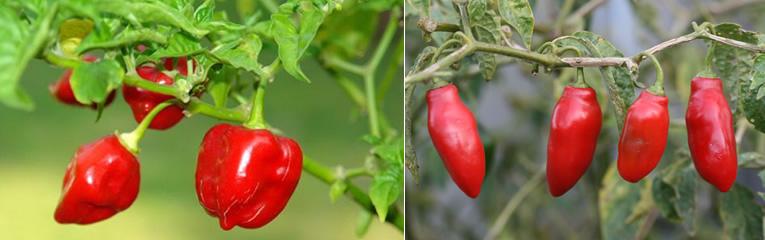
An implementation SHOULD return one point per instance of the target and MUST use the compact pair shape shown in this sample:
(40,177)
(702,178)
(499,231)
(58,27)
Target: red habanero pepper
(62,89)
(574,129)
(101,180)
(710,133)
(180,64)
(454,133)
(142,101)
(246,176)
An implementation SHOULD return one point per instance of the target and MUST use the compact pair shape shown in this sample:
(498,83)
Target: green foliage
(674,192)
(92,82)
(733,64)
(622,206)
(486,28)
(752,93)
(518,13)
(741,215)
(294,39)
(388,183)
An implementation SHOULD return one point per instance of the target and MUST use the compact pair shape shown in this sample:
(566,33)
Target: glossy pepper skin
(142,101)
(644,136)
(246,176)
(101,180)
(454,133)
(62,89)
(574,129)
(710,133)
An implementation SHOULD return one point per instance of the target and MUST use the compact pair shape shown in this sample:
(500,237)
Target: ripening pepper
(710,133)
(62,89)
(246,176)
(101,180)
(142,101)
(180,63)
(454,133)
(644,136)
(574,129)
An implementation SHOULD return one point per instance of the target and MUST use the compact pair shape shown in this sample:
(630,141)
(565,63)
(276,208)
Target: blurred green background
(35,148)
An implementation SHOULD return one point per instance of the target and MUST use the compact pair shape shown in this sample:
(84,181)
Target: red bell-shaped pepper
(454,133)
(710,133)
(574,129)
(62,89)
(142,101)
(101,180)
(246,176)
(644,136)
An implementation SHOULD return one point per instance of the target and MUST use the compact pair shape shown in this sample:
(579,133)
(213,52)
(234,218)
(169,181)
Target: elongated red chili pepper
(62,89)
(574,129)
(644,136)
(710,133)
(454,133)
(246,176)
(101,180)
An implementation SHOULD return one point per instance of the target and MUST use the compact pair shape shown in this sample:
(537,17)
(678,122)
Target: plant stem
(371,67)
(361,198)
(256,120)
(61,61)
(341,64)
(130,140)
(131,79)
(201,107)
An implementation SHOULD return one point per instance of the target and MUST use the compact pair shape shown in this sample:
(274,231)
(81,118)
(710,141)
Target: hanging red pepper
(644,135)
(574,129)
(101,180)
(179,64)
(62,89)
(246,176)
(710,133)
(142,101)
(454,133)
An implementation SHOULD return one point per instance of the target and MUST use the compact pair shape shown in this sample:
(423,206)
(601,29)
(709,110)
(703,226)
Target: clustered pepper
(710,133)
(101,180)
(574,129)
(644,135)
(142,101)
(62,89)
(454,133)
(246,176)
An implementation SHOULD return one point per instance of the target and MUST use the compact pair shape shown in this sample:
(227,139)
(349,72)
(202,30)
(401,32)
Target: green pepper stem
(130,140)
(658,87)
(579,80)
(257,121)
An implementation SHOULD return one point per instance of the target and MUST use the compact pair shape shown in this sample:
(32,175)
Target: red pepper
(246,176)
(101,180)
(574,129)
(454,133)
(142,101)
(710,133)
(62,89)
(181,64)
(644,136)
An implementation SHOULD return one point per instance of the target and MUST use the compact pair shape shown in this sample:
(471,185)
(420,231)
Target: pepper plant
(178,59)
(602,180)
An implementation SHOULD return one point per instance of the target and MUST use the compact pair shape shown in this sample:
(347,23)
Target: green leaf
(205,12)
(519,15)
(74,28)
(139,13)
(734,65)
(385,189)
(179,44)
(21,41)
(242,54)
(92,82)
(674,192)
(293,40)
(220,84)
(362,223)
(752,93)
(485,24)
(127,37)
(740,214)
(337,190)
(392,153)
(621,206)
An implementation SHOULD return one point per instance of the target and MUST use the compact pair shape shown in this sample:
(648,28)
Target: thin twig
(513,204)
(585,9)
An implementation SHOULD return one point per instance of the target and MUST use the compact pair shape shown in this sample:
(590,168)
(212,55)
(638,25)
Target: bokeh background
(35,148)
(513,113)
